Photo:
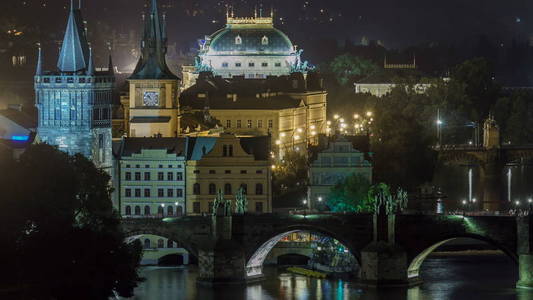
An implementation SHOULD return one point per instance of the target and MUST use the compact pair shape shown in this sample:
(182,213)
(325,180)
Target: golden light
(278,142)
(368,113)
(313,132)
(299,130)
(343,125)
(342,120)
(336,117)
(328,122)
(356,116)
(312,127)
(296,137)
(283,134)
(273,167)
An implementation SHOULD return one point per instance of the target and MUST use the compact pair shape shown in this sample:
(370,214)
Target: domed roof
(251,38)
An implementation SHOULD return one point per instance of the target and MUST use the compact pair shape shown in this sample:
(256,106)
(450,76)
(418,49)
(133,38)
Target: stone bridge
(389,248)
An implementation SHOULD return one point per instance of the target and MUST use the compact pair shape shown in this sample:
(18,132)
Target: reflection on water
(461,277)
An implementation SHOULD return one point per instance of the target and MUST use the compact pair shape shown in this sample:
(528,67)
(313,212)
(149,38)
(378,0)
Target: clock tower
(153,92)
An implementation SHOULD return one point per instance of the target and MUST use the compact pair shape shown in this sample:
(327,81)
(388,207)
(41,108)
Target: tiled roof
(135,145)
(160,119)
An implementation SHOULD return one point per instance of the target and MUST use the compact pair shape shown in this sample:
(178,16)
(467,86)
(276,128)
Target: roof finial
(90,68)
(79,4)
(272,12)
(255,12)
(71,5)
(227,13)
(39,70)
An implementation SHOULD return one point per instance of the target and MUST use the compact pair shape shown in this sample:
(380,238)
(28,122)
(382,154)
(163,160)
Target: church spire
(90,68)
(74,53)
(39,69)
(152,63)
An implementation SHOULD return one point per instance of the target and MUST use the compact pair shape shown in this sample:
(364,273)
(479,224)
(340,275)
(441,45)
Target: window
(160,166)
(238,40)
(244,171)
(227,172)
(259,189)
(170,244)
(179,176)
(147,210)
(160,243)
(196,172)
(264,40)
(128,210)
(169,166)
(264,64)
(212,172)
(128,192)
(230,150)
(160,193)
(196,207)
(179,193)
(160,176)
(270,123)
(225,65)
(259,123)
(170,176)
(147,176)
(244,187)
(228,123)
(128,166)
(238,65)
(147,244)
(196,189)
(278,64)
(137,166)
(251,64)
(179,210)
(212,189)
(259,172)
(238,123)
(137,210)
(170,192)
(160,210)
(249,123)
(137,176)
(225,150)
(259,207)
(147,192)
(146,166)
(137,192)
(227,189)
(170,211)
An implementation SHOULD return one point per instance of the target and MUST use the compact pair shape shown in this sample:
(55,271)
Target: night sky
(396,23)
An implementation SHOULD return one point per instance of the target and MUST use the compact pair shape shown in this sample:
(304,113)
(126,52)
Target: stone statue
(241,202)
(401,199)
(385,202)
(219,200)
(227,208)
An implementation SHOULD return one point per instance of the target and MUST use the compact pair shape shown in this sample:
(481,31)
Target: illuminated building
(151,108)
(74,102)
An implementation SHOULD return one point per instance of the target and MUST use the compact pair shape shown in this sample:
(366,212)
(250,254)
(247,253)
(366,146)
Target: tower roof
(152,63)
(74,55)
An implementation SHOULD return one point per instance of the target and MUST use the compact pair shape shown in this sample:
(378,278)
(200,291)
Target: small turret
(39,69)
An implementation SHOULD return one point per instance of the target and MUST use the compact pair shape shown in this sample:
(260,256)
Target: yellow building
(227,163)
(291,109)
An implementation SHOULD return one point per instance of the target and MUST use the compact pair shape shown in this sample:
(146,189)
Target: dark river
(453,277)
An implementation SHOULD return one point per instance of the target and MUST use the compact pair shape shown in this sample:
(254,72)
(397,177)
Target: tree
(349,68)
(61,237)
(350,195)
(289,179)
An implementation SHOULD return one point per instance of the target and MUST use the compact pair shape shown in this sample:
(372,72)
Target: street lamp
(336,116)
(319,199)
(369,114)
(356,116)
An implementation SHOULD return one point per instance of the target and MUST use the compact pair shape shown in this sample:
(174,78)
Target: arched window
(179,211)
(238,40)
(137,210)
(128,210)
(160,210)
(170,244)
(264,40)
(227,189)
(259,189)
(244,187)
(196,189)
(160,243)
(170,211)
(147,210)
(147,244)
(212,189)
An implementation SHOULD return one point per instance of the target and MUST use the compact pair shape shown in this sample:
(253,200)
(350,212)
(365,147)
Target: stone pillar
(221,259)
(490,183)
(525,251)
(383,263)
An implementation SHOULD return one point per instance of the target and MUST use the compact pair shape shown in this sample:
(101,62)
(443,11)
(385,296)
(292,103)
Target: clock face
(151,98)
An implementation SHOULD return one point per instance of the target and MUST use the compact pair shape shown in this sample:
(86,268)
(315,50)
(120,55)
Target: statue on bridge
(241,202)
(385,202)
(219,200)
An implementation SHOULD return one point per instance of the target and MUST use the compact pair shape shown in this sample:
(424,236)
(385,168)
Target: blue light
(23,138)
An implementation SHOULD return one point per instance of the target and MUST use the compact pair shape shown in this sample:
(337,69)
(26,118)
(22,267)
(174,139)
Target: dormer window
(238,40)
(264,40)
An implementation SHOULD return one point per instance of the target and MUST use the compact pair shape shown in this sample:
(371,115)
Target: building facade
(152,107)
(151,174)
(332,165)
(225,164)
(74,102)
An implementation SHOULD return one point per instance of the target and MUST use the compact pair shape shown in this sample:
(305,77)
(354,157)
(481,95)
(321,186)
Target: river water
(468,277)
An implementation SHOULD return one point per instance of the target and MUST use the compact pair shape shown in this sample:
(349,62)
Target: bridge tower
(491,134)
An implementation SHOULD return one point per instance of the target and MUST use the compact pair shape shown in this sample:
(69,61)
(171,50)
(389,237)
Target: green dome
(253,41)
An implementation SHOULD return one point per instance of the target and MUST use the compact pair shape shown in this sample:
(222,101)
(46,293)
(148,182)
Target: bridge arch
(138,235)
(261,249)
(413,271)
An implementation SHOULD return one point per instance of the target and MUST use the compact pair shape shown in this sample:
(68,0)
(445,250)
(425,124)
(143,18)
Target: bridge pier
(383,263)
(525,251)
(490,183)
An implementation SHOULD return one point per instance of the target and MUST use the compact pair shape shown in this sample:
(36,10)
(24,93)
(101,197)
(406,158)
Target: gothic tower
(74,101)
(153,97)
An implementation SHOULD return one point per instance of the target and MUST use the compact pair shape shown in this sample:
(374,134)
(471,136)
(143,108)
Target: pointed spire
(110,66)
(39,70)
(90,68)
(74,53)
